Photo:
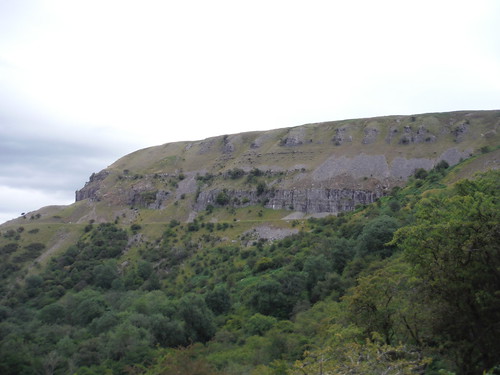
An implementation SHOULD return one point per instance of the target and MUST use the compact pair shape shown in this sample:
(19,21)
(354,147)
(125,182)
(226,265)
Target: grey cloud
(40,165)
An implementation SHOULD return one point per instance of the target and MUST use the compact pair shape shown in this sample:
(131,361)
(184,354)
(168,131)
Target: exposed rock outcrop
(420,135)
(370,135)
(312,200)
(295,137)
(459,131)
(91,189)
(341,136)
(300,167)
(148,199)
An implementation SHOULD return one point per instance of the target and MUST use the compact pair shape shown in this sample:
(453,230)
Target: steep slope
(316,168)
(203,245)
(261,181)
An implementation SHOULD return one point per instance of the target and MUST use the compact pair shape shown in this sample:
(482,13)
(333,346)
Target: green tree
(198,318)
(128,343)
(267,297)
(375,236)
(168,332)
(258,324)
(218,300)
(105,274)
(371,357)
(384,301)
(453,247)
(222,198)
(53,314)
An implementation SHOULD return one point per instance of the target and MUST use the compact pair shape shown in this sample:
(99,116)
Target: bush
(420,173)
(259,324)
(261,188)
(218,300)
(9,248)
(442,165)
(135,227)
(375,236)
(236,173)
(222,198)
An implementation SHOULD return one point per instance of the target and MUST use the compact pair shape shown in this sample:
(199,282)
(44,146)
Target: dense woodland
(408,285)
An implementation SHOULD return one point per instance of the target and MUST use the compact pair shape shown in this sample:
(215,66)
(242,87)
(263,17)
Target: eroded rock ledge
(310,200)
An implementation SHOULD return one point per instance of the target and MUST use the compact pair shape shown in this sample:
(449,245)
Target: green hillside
(178,259)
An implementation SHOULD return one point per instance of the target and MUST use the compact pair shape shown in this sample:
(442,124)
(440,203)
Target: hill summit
(321,168)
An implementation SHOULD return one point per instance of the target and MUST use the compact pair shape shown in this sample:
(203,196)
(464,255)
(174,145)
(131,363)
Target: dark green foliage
(9,248)
(128,343)
(85,307)
(148,197)
(375,236)
(421,173)
(236,173)
(316,267)
(168,332)
(53,314)
(105,274)
(218,300)
(442,165)
(106,306)
(14,356)
(394,205)
(144,270)
(485,149)
(454,248)
(261,188)
(104,322)
(205,178)
(222,198)
(11,234)
(135,228)
(106,241)
(268,297)
(194,226)
(198,318)
(174,223)
(259,324)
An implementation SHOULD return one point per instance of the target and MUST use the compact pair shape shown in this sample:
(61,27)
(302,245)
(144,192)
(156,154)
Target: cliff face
(316,168)
(310,201)
(91,188)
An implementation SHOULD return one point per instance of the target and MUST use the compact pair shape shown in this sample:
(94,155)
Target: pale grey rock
(459,131)
(269,233)
(421,135)
(310,200)
(358,167)
(370,136)
(294,137)
(91,189)
(402,168)
(453,156)
(341,136)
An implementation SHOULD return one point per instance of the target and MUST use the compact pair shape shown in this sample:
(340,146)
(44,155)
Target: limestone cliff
(326,167)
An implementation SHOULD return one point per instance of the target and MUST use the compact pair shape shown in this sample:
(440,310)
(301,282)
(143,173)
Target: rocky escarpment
(315,168)
(310,201)
(91,188)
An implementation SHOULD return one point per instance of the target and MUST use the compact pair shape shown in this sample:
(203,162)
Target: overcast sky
(83,83)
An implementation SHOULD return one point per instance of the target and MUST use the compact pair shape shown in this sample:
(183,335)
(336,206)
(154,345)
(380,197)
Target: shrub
(421,173)
(261,188)
(236,173)
(442,165)
(222,198)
